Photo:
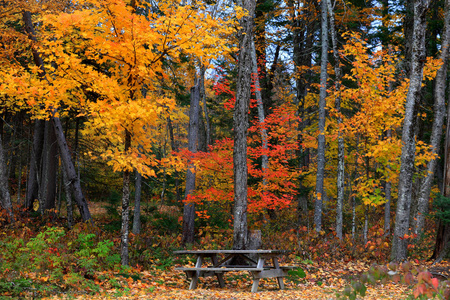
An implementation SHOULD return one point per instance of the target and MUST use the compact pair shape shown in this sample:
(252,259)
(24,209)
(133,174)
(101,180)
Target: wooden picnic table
(220,263)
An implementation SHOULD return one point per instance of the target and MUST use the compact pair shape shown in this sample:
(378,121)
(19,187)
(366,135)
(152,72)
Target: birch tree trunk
(189,208)
(321,138)
(124,258)
(399,244)
(240,125)
(337,106)
(438,122)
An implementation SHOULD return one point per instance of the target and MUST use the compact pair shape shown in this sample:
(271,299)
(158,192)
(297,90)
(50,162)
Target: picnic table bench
(258,268)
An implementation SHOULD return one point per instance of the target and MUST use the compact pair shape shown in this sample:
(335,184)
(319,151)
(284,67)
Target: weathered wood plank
(272,273)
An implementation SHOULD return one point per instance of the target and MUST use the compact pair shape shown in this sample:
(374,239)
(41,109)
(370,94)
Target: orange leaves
(109,60)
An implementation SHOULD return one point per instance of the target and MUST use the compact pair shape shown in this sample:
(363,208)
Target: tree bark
(438,122)
(261,118)
(408,28)
(388,196)
(137,204)
(174,147)
(49,169)
(189,208)
(4,188)
(125,206)
(35,164)
(337,106)
(72,177)
(304,29)
(67,191)
(322,103)
(205,107)
(399,243)
(240,125)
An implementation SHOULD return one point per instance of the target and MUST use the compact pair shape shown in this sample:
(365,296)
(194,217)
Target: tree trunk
(438,122)
(304,28)
(399,243)
(189,208)
(202,143)
(137,204)
(387,208)
(265,79)
(341,145)
(174,147)
(240,125)
(322,103)
(49,169)
(408,28)
(70,169)
(125,207)
(35,164)
(5,200)
(205,107)
(261,118)
(67,191)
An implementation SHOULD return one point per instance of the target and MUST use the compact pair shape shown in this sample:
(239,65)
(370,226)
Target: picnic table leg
(215,262)
(279,279)
(194,280)
(260,264)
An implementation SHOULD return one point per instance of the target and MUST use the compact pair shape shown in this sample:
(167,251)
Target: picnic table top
(198,252)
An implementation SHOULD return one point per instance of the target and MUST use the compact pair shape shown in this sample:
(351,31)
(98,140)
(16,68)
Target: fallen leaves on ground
(321,282)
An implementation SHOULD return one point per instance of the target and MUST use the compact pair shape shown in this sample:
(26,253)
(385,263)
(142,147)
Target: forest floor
(324,277)
(321,282)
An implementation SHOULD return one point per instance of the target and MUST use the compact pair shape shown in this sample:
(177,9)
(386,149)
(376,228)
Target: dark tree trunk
(205,107)
(261,45)
(49,170)
(189,208)
(304,27)
(408,28)
(322,115)
(35,164)
(67,191)
(5,199)
(399,243)
(174,147)
(137,204)
(72,177)
(202,139)
(240,126)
